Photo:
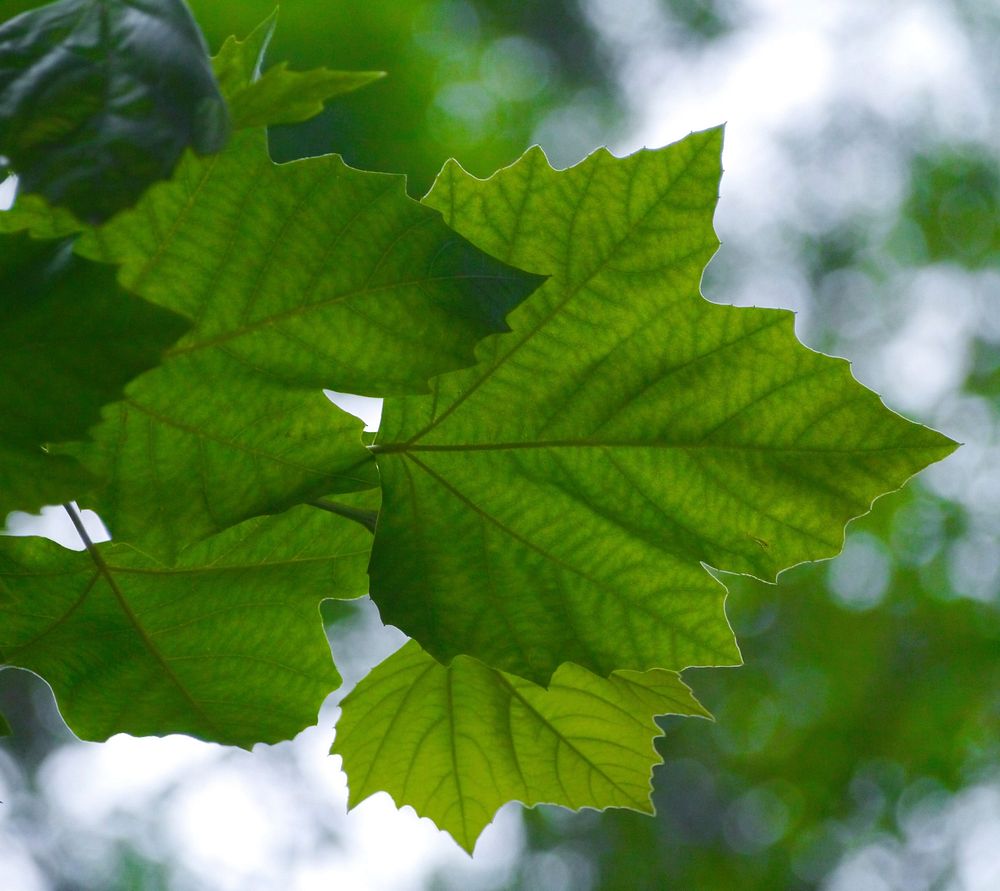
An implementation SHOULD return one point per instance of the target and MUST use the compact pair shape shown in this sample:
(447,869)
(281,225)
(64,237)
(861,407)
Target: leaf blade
(625,433)
(457,742)
(101,97)
(132,645)
(204,442)
(70,341)
(298,277)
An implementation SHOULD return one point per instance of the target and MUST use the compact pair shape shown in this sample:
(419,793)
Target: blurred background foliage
(858,748)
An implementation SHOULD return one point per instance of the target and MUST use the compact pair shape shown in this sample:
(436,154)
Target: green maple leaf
(557,501)
(328,275)
(278,96)
(99,98)
(458,742)
(297,277)
(207,441)
(227,645)
(70,340)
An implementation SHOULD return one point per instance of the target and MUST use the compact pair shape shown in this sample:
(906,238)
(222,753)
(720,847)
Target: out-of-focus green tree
(953,211)
(469,79)
(465,78)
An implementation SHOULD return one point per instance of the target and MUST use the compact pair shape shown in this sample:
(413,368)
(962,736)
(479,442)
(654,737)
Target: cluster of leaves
(571,434)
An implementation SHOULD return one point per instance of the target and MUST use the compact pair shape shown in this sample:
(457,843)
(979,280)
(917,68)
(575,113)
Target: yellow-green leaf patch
(456,743)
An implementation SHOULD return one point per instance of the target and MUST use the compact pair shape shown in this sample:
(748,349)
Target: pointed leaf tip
(276,95)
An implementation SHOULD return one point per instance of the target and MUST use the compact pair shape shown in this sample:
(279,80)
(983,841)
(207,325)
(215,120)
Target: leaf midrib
(201,433)
(319,305)
(236,567)
(516,695)
(406,447)
(636,605)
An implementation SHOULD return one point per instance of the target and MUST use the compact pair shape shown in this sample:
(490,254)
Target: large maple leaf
(558,502)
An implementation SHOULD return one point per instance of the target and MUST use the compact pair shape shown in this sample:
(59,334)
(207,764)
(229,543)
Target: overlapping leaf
(207,441)
(556,502)
(30,477)
(70,340)
(227,645)
(298,277)
(99,98)
(321,274)
(458,742)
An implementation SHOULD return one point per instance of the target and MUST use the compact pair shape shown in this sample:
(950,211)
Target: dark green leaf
(99,98)
(458,742)
(556,502)
(70,340)
(227,645)
(300,277)
(30,478)
(4,727)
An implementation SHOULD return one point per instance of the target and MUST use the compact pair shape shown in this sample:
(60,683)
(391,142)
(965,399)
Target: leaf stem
(365,517)
(82,532)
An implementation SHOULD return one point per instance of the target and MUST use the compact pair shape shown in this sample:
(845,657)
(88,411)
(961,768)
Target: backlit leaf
(298,277)
(556,502)
(458,742)
(227,645)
